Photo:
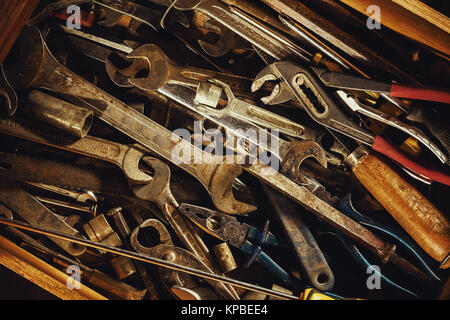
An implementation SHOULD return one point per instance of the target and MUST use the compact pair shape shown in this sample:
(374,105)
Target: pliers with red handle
(305,84)
(345,81)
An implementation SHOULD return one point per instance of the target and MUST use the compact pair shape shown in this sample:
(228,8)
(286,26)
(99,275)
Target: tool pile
(208,149)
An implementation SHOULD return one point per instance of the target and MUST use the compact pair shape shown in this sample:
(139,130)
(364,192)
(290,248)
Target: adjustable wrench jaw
(281,92)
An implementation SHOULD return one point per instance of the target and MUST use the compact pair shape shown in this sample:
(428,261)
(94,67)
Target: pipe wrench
(307,86)
(417,215)
(45,72)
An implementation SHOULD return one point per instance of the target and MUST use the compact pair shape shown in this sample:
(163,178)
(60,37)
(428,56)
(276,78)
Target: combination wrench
(44,71)
(218,177)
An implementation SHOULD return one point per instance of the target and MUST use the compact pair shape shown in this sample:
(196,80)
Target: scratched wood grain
(409,24)
(14,14)
(41,273)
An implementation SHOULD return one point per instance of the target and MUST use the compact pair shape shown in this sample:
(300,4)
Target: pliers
(239,235)
(306,85)
(395,90)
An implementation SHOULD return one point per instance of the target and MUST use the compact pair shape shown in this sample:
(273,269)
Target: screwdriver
(415,213)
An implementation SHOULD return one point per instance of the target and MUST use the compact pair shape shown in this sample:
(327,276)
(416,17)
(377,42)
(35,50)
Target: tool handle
(416,214)
(420,93)
(86,20)
(384,147)
(272,266)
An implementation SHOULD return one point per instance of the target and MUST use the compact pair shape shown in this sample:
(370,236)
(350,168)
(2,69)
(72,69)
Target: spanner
(217,177)
(158,191)
(45,71)
(115,10)
(228,41)
(270,41)
(125,157)
(161,71)
(166,250)
(237,117)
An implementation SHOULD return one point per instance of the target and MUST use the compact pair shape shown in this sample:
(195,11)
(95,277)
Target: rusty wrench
(44,71)
(270,41)
(158,192)
(125,157)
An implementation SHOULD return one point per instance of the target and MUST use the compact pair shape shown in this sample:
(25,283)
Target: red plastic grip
(87,18)
(420,93)
(382,146)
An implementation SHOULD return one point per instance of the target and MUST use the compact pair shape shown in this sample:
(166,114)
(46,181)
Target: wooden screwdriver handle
(415,213)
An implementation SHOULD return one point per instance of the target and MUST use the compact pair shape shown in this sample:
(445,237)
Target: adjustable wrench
(45,71)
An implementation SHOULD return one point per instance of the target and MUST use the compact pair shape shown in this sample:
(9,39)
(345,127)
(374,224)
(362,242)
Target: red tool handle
(87,18)
(420,93)
(384,147)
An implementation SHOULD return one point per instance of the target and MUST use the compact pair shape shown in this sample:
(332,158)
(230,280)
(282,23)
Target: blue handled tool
(239,235)
(346,207)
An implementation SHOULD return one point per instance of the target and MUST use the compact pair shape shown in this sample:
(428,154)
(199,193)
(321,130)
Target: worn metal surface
(268,40)
(31,210)
(125,157)
(42,70)
(158,191)
(167,251)
(58,113)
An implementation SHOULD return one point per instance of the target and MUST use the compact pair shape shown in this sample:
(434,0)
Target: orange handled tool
(416,214)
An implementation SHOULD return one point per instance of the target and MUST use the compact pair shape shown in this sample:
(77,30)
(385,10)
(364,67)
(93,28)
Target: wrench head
(281,93)
(157,65)
(131,167)
(25,58)
(158,189)
(164,238)
(122,76)
(221,190)
(225,43)
(297,153)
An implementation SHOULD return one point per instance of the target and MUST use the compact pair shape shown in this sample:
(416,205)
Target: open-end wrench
(237,117)
(161,71)
(228,41)
(46,72)
(270,41)
(125,157)
(158,191)
(218,177)
(304,84)
(166,250)
(115,10)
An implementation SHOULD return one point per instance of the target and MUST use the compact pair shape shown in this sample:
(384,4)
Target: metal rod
(144,258)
